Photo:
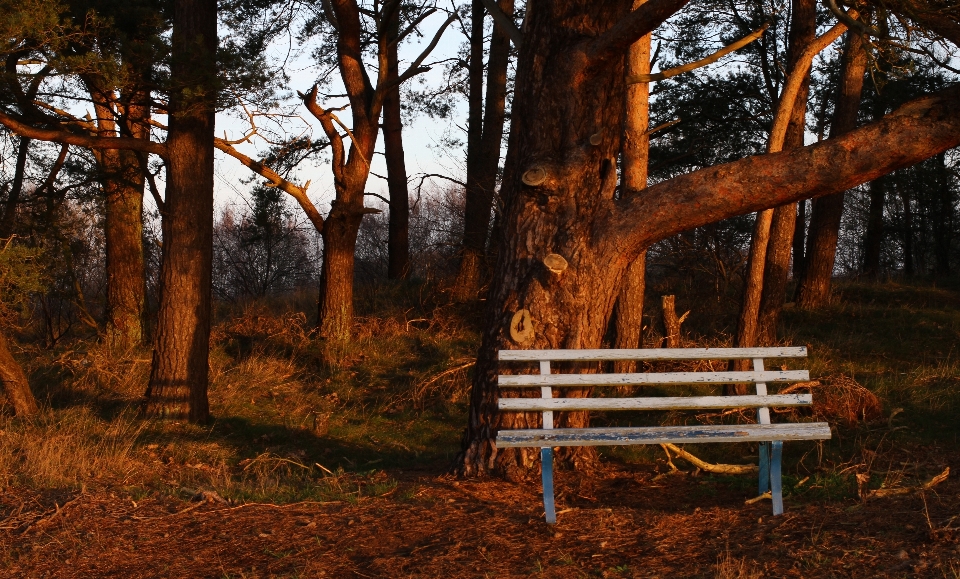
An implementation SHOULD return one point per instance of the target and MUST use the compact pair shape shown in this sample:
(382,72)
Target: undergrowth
(297,418)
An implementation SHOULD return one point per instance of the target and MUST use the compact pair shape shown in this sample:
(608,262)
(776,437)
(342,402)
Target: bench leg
(776,488)
(764,467)
(546,458)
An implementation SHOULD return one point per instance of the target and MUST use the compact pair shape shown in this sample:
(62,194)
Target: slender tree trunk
(179,374)
(800,240)
(484,137)
(813,290)
(398,236)
(634,156)
(873,240)
(9,218)
(944,217)
(803,30)
(14,381)
(904,193)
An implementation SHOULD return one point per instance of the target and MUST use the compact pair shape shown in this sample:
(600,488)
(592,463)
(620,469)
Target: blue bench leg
(764,467)
(546,458)
(776,488)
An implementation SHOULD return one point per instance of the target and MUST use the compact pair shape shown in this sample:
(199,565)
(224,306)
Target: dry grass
(730,567)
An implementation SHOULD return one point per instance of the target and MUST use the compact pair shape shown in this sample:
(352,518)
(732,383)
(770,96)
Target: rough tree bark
(398,235)
(14,381)
(179,373)
(813,289)
(559,189)
(122,181)
(776,271)
(634,159)
(485,122)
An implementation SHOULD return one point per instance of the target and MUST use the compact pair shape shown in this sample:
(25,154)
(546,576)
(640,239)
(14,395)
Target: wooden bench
(770,436)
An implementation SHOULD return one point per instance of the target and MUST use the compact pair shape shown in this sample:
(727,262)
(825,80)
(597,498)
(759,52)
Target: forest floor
(334,462)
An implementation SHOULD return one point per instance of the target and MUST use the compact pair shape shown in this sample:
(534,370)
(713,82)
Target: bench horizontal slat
(652,354)
(664,378)
(662,435)
(663,403)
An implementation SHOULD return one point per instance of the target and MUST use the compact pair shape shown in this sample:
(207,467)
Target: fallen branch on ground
(900,491)
(706,466)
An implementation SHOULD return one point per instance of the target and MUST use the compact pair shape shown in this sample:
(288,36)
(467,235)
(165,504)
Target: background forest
(222,281)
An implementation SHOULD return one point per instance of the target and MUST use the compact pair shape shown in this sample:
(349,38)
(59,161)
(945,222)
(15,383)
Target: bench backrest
(547,404)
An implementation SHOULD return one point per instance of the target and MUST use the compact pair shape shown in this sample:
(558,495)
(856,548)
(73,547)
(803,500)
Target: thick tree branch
(504,22)
(916,131)
(292,189)
(616,41)
(664,74)
(91,142)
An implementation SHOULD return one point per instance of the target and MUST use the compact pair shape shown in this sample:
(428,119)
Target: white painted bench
(770,436)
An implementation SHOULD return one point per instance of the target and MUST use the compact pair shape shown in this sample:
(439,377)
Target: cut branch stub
(596,138)
(535,176)
(555,263)
(521,327)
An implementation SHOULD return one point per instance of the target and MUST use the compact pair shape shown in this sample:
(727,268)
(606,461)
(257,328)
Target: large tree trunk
(398,236)
(122,180)
(14,381)
(179,374)
(336,277)
(634,156)
(9,217)
(559,189)
(776,271)
(813,290)
(484,136)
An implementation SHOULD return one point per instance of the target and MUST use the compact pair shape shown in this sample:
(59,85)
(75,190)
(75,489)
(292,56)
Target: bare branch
(380,197)
(415,67)
(413,26)
(154,191)
(664,74)
(336,141)
(292,189)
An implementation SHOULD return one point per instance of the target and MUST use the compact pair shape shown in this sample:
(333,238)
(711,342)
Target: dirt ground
(620,522)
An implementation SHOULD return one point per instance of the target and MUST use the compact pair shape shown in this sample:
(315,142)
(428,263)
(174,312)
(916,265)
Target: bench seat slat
(665,378)
(663,403)
(662,434)
(652,354)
